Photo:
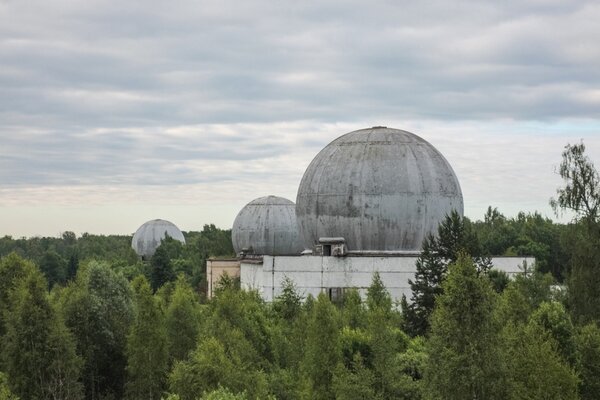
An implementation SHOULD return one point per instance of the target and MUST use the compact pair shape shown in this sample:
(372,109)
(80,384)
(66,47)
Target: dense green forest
(83,317)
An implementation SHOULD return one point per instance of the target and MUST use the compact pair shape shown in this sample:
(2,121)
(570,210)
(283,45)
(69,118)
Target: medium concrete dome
(268,226)
(149,236)
(379,189)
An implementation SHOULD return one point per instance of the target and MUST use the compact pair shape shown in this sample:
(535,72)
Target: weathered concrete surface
(379,188)
(216,268)
(268,225)
(316,274)
(148,236)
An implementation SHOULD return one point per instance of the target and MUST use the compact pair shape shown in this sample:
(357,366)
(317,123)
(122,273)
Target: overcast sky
(114,113)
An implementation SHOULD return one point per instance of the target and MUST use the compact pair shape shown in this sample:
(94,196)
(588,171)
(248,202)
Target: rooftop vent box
(331,246)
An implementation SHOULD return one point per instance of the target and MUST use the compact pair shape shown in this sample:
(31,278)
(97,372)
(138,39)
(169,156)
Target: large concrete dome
(148,236)
(268,226)
(379,188)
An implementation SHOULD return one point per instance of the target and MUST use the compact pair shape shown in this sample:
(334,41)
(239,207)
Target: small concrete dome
(379,188)
(149,236)
(268,226)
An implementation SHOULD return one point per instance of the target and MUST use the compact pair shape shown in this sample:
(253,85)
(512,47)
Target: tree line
(137,330)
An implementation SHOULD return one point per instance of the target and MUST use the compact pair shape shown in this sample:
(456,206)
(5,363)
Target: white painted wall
(314,274)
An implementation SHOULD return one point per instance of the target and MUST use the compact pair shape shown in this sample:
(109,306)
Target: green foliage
(412,362)
(233,351)
(455,235)
(210,242)
(97,307)
(12,269)
(386,343)
(534,368)
(378,359)
(234,312)
(463,358)
(524,235)
(355,342)
(60,257)
(5,392)
(65,366)
(322,352)
(54,267)
(552,317)
(226,283)
(490,338)
(224,394)
(581,193)
(211,366)
(354,313)
(182,320)
(588,345)
(499,280)
(288,304)
(524,294)
(355,382)
(584,280)
(147,352)
(38,351)
(161,270)
(378,298)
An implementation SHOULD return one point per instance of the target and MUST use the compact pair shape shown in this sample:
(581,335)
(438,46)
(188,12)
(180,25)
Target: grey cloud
(90,90)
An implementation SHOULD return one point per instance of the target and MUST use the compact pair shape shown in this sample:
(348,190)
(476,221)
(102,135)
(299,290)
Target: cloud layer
(216,102)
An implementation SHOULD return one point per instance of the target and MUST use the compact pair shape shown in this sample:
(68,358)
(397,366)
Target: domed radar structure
(267,226)
(149,236)
(381,189)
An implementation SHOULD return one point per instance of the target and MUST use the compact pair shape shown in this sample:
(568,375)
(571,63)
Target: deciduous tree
(98,308)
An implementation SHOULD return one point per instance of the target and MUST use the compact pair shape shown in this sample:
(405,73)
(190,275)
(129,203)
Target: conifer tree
(147,353)
(322,352)
(454,235)
(353,310)
(12,269)
(430,272)
(38,351)
(182,320)
(289,303)
(378,298)
(161,269)
(463,357)
(588,345)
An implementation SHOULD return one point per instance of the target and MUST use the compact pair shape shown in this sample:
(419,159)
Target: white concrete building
(332,275)
(365,204)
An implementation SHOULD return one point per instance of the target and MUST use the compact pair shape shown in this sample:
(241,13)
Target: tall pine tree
(182,320)
(322,352)
(147,353)
(464,361)
(38,351)
(455,235)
